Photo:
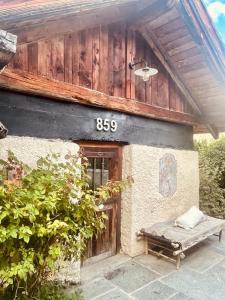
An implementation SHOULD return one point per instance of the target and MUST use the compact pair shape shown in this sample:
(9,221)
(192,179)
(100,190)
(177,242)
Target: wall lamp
(145,72)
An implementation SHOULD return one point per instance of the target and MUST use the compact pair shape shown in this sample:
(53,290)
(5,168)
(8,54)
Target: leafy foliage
(212,176)
(56,292)
(45,213)
(49,291)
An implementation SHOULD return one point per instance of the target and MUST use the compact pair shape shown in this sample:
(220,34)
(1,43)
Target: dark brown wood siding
(97,58)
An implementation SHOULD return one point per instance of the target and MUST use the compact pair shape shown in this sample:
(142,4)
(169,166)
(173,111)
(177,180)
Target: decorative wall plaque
(167,175)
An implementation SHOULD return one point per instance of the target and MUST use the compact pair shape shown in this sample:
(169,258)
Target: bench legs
(176,257)
(146,247)
(178,261)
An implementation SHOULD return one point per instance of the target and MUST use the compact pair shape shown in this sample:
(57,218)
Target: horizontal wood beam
(35,85)
(7,47)
(203,129)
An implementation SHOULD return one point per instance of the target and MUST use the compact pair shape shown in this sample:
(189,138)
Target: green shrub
(212,176)
(50,291)
(56,292)
(45,213)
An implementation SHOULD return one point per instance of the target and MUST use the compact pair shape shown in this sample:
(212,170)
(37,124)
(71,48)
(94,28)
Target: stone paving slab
(218,272)
(213,243)
(196,285)
(114,295)
(202,259)
(131,276)
(180,296)
(95,288)
(156,264)
(109,264)
(154,291)
(219,250)
(201,276)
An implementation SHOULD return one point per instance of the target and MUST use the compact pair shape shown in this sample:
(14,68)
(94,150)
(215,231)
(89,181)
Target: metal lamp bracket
(133,64)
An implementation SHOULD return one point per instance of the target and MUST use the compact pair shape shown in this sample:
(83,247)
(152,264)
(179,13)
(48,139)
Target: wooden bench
(170,242)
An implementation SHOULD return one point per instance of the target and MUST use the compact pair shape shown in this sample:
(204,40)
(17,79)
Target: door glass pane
(98,171)
(90,172)
(105,170)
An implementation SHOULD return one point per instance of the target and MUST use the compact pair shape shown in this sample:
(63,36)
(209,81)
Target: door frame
(118,148)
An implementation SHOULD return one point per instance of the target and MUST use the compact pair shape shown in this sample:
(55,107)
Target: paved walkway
(201,276)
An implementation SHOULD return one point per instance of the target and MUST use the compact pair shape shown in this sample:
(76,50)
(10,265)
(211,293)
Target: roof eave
(202,22)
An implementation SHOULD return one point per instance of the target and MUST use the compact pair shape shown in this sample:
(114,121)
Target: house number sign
(106,125)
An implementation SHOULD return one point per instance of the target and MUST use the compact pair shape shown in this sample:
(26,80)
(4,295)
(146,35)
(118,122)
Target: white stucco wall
(29,150)
(142,204)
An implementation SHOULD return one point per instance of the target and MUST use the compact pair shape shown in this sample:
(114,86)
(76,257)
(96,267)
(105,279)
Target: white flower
(73,201)
(101,206)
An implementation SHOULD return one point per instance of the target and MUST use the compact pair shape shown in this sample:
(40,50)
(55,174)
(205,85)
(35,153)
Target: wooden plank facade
(97,59)
(89,44)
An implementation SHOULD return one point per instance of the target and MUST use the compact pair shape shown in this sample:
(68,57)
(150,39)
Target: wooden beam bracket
(36,85)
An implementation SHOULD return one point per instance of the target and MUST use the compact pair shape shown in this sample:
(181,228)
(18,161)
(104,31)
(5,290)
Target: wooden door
(104,165)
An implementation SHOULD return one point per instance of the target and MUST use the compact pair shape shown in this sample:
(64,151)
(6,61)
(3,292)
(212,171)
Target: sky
(216,9)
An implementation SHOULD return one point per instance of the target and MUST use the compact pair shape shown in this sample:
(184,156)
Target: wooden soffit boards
(36,85)
(33,11)
(64,25)
(184,40)
(32,26)
(33,20)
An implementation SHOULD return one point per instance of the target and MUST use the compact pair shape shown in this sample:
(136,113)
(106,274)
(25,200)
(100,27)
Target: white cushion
(190,218)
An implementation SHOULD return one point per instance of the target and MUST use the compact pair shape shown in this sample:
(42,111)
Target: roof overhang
(183,37)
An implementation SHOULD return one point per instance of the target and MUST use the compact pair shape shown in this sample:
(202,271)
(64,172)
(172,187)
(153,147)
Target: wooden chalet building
(70,86)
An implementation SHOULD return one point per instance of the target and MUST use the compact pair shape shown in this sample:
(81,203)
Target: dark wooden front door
(104,165)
